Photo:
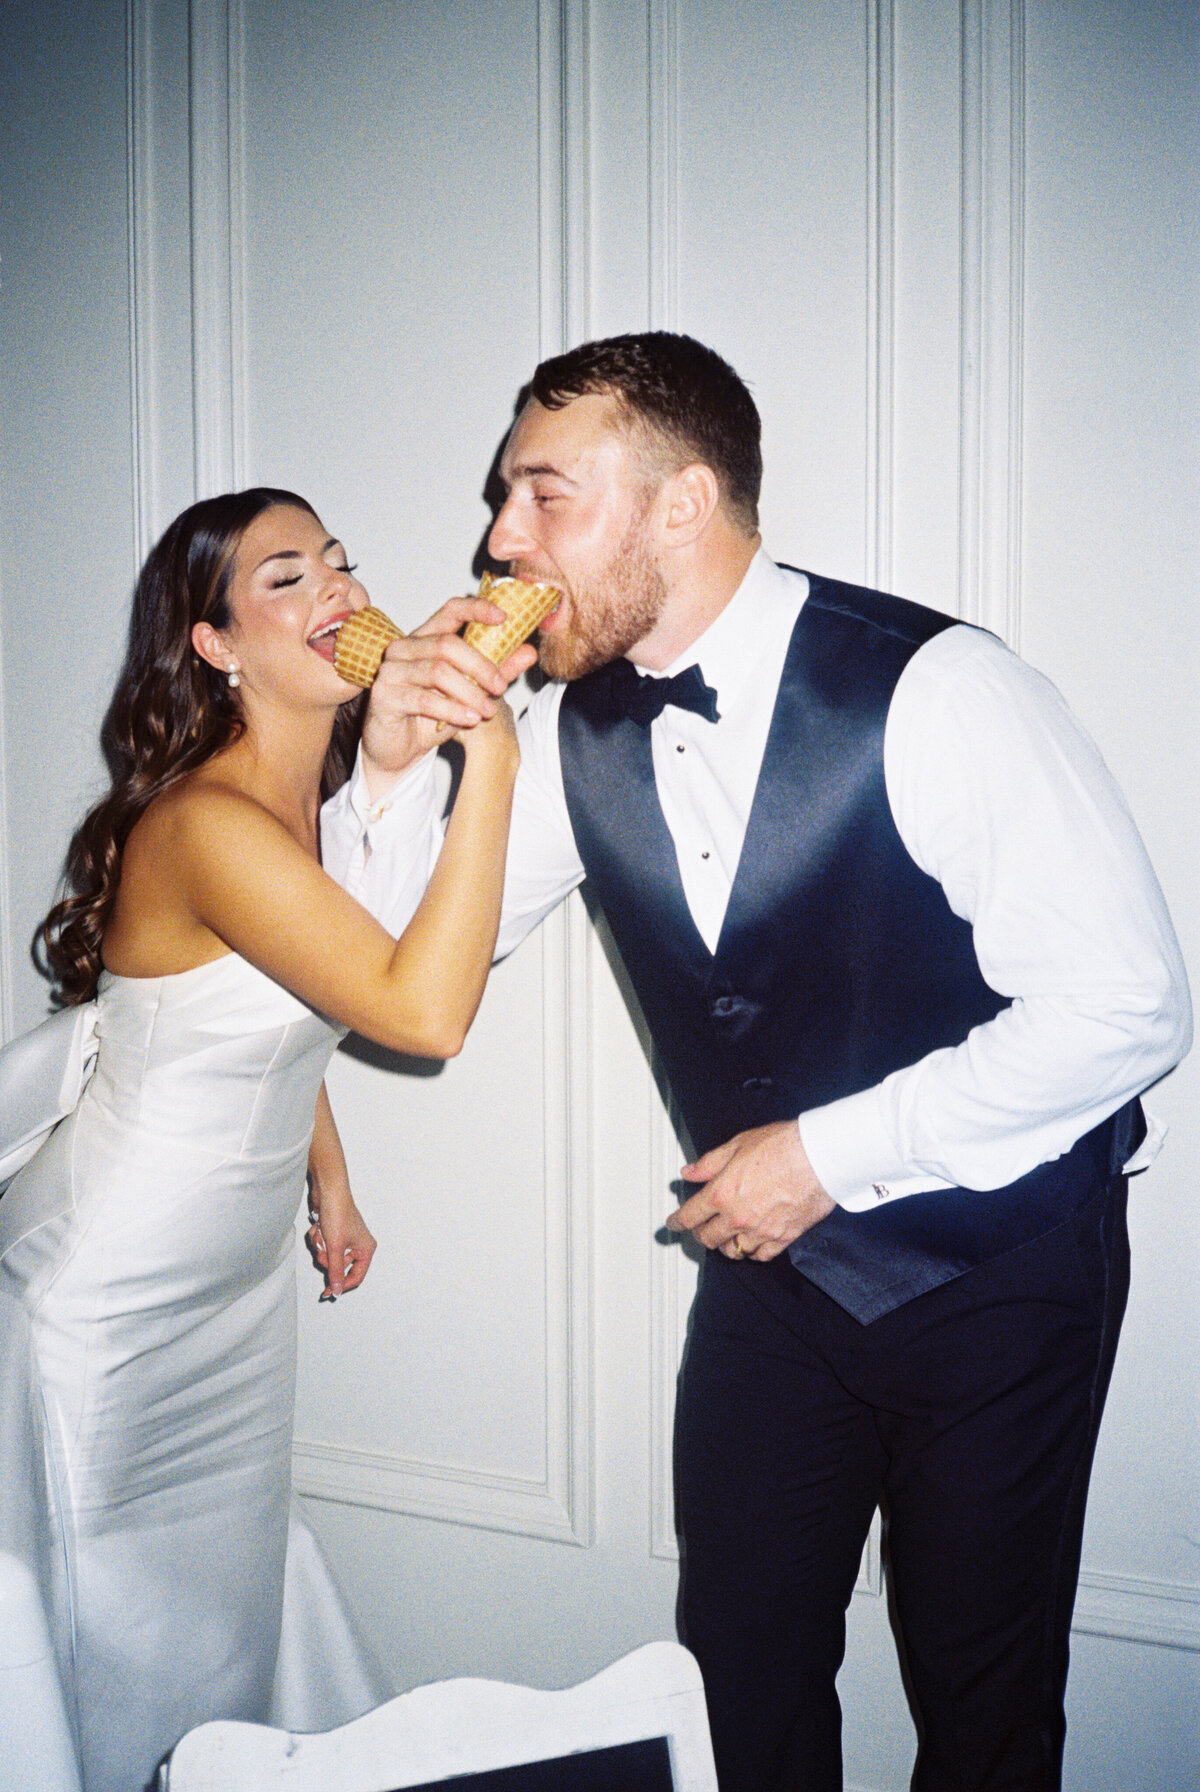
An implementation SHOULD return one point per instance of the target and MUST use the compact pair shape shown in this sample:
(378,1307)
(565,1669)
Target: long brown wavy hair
(170,712)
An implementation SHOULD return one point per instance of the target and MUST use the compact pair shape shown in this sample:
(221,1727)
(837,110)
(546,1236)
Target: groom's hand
(759,1193)
(431,682)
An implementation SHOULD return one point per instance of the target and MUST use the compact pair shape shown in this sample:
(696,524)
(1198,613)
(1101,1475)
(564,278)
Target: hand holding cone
(524,606)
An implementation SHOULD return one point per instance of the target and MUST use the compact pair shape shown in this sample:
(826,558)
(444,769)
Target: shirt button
(705,855)
(681,749)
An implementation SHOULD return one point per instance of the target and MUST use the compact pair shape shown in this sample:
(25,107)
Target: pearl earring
(233,679)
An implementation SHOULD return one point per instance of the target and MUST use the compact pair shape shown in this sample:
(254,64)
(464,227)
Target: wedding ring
(739,1249)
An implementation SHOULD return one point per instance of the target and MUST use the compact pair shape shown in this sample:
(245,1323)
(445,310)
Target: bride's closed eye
(295,577)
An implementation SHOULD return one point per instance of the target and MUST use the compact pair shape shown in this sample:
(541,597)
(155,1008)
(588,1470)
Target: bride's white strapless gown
(147,1371)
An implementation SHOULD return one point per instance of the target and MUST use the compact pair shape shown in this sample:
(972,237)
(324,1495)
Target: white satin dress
(147,1372)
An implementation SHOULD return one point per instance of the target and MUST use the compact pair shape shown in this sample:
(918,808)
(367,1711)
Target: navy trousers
(970,1415)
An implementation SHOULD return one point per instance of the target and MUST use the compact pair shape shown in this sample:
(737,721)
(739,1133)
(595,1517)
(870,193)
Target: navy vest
(839,959)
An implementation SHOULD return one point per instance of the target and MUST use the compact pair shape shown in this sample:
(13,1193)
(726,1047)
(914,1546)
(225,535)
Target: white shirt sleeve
(999,794)
(384,853)
(543,862)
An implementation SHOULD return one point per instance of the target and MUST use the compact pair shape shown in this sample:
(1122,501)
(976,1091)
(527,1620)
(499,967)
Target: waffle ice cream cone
(524,605)
(361,642)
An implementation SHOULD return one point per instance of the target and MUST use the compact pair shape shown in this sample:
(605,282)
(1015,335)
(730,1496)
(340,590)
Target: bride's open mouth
(324,639)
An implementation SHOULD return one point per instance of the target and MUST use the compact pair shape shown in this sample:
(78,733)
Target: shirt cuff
(382,852)
(854,1156)
(413,784)
(1151,1145)
(854,1159)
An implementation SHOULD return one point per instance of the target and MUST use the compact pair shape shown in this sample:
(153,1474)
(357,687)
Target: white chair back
(459,1728)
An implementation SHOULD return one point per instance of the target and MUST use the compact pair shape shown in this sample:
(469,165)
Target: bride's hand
(338,1238)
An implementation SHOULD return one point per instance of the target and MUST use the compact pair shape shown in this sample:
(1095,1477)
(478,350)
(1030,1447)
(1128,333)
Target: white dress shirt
(996,792)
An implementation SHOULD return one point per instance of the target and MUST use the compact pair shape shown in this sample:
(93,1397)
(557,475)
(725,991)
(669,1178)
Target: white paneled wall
(952,247)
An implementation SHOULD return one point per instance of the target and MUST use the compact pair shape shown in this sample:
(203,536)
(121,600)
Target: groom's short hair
(680,399)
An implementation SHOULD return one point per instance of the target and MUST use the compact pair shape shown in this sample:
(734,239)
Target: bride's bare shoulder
(153,927)
(199,813)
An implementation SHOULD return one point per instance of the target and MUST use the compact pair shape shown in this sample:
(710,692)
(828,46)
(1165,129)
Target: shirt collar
(751,633)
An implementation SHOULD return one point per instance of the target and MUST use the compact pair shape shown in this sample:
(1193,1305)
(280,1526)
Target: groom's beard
(608,614)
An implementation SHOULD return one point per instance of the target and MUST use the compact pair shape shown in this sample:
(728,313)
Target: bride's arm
(244,878)
(338,1237)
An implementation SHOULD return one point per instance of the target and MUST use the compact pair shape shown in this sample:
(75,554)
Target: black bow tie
(642,699)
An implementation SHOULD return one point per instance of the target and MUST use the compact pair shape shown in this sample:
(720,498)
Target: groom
(908,969)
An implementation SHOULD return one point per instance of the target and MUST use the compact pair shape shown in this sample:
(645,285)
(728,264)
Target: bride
(147,1252)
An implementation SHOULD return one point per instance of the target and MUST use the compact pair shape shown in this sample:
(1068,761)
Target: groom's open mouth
(551,621)
(552,617)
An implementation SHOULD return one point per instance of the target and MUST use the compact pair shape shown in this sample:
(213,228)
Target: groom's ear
(689,500)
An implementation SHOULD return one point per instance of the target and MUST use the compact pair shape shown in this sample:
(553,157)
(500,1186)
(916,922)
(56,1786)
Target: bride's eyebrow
(295,554)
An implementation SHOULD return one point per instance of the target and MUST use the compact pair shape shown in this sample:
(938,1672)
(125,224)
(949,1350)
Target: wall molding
(185,171)
(1129,1608)
(559,1505)
(216,43)
(564,161)
(662,173)
(139,142)
(418,1489)
(991,314)
(569,949)
(881,257)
